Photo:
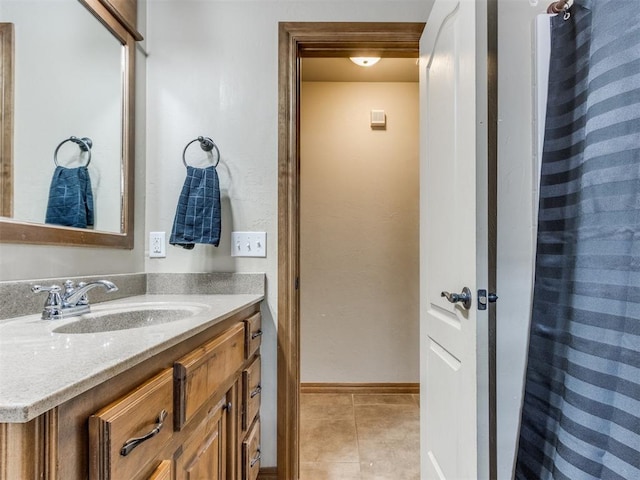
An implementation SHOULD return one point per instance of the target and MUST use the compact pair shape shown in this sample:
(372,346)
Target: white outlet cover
(157,245)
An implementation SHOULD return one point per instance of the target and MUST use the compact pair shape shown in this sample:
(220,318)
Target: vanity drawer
(112,452)
(253,334)
(251,453)
(252,392)
(201,373)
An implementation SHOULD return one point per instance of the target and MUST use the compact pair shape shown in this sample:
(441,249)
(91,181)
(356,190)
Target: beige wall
(359,233)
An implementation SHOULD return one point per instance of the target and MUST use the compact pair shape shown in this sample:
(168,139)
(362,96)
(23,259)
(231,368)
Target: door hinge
(484,299)
(297,283)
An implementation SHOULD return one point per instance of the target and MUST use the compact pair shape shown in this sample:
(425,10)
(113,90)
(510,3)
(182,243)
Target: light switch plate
(248,244)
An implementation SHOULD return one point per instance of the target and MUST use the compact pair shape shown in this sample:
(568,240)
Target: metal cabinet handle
(129,445)
(255,460)
(257,334)
(256,391)
(463,297)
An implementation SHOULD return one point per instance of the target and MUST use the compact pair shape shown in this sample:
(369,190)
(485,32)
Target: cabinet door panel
(163,472)
(234,424)
(203,455)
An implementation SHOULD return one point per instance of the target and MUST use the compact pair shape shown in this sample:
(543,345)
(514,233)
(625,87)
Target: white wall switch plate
(157,244)
(248,244)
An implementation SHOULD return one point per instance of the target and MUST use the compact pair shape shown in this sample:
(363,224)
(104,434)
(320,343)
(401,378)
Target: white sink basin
(127,317)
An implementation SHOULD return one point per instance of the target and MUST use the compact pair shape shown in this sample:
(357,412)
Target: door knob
(463,297)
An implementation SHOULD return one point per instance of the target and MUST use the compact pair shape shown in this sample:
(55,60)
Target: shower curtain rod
(557,7)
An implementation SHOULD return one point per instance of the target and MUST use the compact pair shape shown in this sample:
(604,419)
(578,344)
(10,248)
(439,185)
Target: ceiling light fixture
(365,61)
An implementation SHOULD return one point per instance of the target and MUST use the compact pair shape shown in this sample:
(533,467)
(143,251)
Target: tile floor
(358,436)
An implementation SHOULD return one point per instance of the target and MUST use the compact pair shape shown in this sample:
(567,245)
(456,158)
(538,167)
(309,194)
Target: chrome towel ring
(206,144)
(84,143)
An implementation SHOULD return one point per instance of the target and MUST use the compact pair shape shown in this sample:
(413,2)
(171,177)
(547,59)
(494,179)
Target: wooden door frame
(297,40)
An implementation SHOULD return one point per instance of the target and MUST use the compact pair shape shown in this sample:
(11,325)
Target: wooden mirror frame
(14,231)
(6,118)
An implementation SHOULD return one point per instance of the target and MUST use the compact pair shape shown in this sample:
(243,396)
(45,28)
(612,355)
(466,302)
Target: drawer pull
(256,334)
(255,460)
(256,391)
(134,442)
(228,407)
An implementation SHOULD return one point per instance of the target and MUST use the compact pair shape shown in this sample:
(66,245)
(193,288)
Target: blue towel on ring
(70,198)
(198,215)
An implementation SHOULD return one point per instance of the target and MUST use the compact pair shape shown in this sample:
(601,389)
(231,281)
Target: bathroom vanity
(177,398)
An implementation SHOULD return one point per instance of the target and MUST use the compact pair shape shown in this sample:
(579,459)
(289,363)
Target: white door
(453,240)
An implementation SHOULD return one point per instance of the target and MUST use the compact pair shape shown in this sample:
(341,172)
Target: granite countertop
(40,369)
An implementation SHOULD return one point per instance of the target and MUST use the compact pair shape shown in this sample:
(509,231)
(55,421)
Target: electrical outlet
(157,242)
(248,244)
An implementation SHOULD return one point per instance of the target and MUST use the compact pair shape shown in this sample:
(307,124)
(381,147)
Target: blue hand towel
(198,216)
(70,198)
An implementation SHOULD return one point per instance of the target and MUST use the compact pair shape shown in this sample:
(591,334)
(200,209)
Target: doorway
(359,275)
(299,40)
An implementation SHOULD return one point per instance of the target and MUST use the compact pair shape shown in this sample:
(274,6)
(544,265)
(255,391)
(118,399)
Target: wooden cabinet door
(234,424)
(203,455)
(162,472)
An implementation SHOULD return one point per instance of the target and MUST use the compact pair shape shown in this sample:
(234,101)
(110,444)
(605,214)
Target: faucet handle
(40,288)
(69,287)
(53,303)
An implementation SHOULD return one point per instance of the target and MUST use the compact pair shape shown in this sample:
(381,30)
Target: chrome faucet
(73,301)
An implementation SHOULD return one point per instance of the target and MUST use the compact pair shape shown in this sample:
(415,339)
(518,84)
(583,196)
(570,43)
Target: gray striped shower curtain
(581,409)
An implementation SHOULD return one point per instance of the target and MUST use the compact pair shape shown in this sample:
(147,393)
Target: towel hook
(85,144)
(206,144)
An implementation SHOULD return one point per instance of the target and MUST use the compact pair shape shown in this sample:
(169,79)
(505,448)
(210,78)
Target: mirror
(72,77)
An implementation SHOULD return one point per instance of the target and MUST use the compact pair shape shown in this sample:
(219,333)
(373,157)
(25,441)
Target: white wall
(516,166)
(359,235)
(213,69)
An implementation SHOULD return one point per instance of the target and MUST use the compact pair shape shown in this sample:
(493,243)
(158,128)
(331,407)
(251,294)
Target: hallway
(359,436)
